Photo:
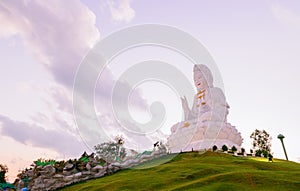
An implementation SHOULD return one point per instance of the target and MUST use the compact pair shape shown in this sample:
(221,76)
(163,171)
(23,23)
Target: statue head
(202,77)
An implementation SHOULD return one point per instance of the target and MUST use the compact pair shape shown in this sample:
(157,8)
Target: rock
(58,185)
(77,175)
(86,173)
(49,182)
(97,168)
(30,173)
(81,166)
(99,174)
(68,178)
(38,180)
(21,184)
(67,173)
(39,186)
(58,176)
(48,170)
(50,178)
(68,167)
(86,178)
(88,166)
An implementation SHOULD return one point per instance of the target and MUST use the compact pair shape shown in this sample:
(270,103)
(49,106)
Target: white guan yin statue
(205,124)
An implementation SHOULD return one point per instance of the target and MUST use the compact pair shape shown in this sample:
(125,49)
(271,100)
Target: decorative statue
(205,124)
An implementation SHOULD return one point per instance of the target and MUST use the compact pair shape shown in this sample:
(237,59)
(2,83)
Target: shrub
(242,150)
(43,162)
(3,170)
(233,149)
(215,148)
(224,148)
(258,153)
(265,153)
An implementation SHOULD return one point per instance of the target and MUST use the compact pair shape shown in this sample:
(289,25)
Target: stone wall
(61,174)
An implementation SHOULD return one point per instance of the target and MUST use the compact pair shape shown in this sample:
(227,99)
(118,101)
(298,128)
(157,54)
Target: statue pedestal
(188,139)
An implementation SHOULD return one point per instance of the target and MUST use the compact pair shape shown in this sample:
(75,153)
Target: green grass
(208,171)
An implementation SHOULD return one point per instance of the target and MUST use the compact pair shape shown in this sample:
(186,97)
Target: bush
(215,148)
(265,153)
(242,150)
(258,153)
(233,149)
(224,148)
(43,162)
(3,170)
(4,186)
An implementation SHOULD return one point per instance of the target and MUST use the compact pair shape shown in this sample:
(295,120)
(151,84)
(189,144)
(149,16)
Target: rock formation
(205,124)
(63,173)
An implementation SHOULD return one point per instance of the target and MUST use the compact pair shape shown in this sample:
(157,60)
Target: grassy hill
(208,171)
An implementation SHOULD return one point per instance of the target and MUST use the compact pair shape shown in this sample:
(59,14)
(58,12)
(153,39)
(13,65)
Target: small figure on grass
(270,157)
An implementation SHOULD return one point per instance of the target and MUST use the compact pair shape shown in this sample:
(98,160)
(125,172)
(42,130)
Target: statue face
(200,81)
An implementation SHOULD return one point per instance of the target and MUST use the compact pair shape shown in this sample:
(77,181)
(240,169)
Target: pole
(280,136)
(284,149)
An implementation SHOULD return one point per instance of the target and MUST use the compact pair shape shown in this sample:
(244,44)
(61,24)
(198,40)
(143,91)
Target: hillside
(208,171)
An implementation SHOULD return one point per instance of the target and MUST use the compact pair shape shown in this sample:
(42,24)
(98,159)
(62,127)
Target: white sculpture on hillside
(205,124)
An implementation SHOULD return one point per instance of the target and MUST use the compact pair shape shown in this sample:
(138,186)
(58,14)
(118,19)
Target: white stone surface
(205,124)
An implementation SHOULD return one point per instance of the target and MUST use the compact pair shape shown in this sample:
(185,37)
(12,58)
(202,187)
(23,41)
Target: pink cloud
(58,33)
(32,134)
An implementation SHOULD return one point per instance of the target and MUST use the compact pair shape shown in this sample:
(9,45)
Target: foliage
(84,159)
(261,142)
(43,162)
(215,148)
(259,152)
(119,139)
(101,163)
(59,166)
(243,150)
(224,148)
(3,171)
(233,149)
(6,185)
(111,151)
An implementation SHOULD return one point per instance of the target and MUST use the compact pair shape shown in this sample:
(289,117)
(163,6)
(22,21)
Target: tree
(224,148)
(233,149)
(242,150)
(3,171)
(215,148)
(111,151)
(261,142)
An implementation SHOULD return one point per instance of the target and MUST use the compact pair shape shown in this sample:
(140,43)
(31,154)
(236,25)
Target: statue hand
(185,107)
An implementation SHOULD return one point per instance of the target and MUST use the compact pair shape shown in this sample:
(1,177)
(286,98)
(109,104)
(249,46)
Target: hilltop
(207,171)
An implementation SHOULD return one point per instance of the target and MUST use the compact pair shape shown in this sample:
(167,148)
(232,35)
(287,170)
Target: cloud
(61,97)
(35,135)
(285,15)
(59,33)
(121,11)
